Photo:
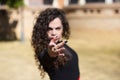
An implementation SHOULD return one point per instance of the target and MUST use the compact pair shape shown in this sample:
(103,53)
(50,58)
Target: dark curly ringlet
(39,35)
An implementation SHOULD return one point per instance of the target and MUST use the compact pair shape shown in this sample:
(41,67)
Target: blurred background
(95,29)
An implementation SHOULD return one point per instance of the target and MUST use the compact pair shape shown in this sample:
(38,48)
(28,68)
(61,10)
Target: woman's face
(55,29)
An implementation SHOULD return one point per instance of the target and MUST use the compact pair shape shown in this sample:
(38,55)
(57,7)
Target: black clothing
(69,71)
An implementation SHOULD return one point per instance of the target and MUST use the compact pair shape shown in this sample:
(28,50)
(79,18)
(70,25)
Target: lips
(55,38)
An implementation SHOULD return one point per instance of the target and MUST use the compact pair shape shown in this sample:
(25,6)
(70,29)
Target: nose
(53,33)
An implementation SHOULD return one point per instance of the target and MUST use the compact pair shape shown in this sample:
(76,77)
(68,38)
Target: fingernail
(61,54)
(65,41)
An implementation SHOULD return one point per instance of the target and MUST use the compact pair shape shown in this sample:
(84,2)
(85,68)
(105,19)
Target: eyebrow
(51,26)
(55,27)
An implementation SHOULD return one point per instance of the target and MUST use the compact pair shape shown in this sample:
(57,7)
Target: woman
(52,53)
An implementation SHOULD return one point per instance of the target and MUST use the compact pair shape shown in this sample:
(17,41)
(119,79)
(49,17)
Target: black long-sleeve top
(70,71)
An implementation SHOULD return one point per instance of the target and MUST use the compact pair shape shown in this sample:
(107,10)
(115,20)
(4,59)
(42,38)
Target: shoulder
(69,48)
(72,51)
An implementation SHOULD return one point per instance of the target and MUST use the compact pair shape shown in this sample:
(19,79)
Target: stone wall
(26,21)
(103,20)
(98,16)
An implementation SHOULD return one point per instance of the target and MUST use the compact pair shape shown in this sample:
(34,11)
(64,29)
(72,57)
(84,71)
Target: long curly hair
(40,39)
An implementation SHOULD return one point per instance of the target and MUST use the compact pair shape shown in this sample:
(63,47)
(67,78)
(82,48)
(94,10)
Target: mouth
(55,38)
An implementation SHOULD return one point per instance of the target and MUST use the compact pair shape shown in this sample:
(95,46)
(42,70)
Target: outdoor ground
(98,51)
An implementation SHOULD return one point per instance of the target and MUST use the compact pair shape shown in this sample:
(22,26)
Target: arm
(48,56)
(45,60)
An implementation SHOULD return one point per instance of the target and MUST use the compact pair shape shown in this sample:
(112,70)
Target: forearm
(46,60)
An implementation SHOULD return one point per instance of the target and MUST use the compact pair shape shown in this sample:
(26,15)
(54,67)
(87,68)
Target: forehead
(55,22)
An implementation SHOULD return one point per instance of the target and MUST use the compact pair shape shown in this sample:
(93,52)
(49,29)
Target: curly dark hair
(39,35)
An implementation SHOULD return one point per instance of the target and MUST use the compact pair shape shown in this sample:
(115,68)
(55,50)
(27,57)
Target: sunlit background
(95,29)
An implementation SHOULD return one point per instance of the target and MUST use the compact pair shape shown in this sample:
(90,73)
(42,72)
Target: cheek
(60,33)
(48,33)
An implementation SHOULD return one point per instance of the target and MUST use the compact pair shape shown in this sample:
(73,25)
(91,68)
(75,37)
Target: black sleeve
(45,60)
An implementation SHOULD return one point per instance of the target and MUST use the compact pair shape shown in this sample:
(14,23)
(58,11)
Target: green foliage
(12,3)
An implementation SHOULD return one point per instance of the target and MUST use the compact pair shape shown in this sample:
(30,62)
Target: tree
(12,3)
(7,30)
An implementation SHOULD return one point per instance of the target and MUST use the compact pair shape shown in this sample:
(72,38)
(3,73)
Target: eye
(58,28)
(49,28)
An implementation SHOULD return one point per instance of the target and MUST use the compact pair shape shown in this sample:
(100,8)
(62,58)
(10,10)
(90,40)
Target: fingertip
(61,54)
(65,41)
